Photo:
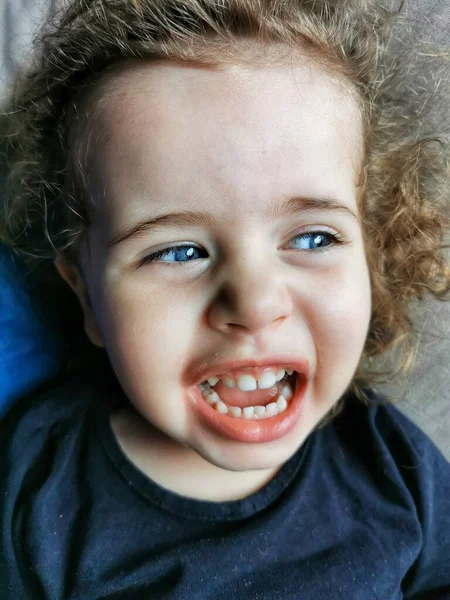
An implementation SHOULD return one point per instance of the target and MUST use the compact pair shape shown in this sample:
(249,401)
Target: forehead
(241,135)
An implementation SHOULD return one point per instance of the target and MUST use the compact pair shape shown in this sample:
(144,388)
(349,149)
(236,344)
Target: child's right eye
(175,254)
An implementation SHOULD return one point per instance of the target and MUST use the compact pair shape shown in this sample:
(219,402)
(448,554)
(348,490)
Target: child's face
(230,146)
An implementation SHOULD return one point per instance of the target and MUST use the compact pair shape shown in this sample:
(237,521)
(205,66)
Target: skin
(230,144)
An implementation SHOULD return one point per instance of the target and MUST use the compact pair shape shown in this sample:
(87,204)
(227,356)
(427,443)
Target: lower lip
(252,431)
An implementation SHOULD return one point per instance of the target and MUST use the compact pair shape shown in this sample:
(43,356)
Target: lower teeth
(250,412)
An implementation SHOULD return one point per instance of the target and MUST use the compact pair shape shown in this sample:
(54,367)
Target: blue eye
(175,254)
(314,240)
(311,240)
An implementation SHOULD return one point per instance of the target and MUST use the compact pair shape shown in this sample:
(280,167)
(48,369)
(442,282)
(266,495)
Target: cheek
(148,330)
(340,316)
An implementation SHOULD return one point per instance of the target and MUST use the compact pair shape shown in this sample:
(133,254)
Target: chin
(239,456)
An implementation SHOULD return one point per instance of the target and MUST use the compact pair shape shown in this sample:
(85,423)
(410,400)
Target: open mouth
(252,397)
(258,413)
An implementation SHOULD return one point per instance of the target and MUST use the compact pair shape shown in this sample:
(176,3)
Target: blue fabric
(30,349)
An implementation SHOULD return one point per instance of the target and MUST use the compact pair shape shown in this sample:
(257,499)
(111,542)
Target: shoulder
(43,409)
(52,415)
(401,435)
(389,428)
(412,473)
(386,425)
(393,446)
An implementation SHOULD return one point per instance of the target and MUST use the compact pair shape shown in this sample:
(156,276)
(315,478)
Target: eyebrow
(191,218)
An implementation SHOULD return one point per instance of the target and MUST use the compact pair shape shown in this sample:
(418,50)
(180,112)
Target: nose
(250,299)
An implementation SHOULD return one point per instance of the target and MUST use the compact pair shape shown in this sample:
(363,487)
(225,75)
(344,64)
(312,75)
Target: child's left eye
(314,240)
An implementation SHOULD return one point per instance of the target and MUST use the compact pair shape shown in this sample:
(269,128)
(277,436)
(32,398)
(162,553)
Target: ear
(74,277)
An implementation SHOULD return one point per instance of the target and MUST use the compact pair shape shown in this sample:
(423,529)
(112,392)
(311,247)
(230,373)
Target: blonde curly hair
(404,201)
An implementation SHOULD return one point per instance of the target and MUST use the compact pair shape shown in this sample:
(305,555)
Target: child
(230,190)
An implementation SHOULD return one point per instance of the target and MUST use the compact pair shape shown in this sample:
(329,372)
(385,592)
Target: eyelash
(337,239)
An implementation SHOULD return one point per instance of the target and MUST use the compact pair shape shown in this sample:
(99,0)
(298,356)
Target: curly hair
(404,200)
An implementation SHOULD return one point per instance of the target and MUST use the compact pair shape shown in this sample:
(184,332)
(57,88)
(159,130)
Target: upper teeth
(248,383)
(268,380)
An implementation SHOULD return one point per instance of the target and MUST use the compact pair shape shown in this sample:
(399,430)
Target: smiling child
(240,231)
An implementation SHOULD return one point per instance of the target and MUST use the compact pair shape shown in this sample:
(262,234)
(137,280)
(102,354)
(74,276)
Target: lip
(252,431)
(288,362)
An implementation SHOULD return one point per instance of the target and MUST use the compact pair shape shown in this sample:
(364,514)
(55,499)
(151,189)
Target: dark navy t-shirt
(361,511)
